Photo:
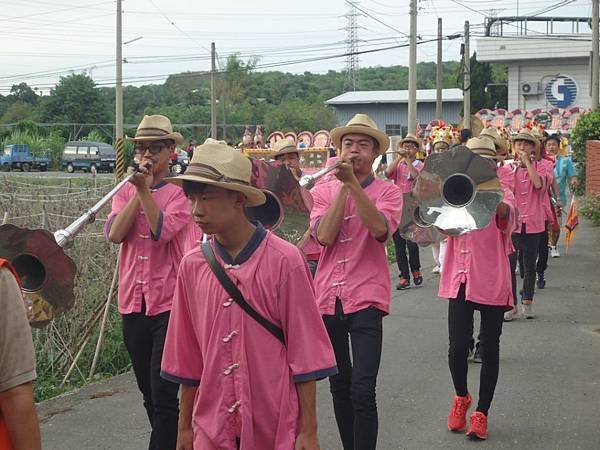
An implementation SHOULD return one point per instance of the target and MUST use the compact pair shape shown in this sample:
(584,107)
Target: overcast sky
(40,40)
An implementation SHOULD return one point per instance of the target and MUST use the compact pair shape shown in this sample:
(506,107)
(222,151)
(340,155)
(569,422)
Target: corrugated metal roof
(423,95)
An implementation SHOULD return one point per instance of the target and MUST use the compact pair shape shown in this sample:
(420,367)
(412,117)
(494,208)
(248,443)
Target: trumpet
(308,181)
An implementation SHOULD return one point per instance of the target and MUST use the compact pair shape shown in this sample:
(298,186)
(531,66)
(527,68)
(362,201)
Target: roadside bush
(588,128)
(590,208)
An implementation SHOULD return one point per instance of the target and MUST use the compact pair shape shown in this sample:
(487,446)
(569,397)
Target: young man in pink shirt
(151,221)
(352,217)
(532,178)
(476,276)
(403,170)
(242,387)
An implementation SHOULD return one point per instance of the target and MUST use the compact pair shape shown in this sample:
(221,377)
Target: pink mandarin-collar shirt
(529,201)
(401,176)
(148,263)
(245,376)
(355,267)
(479,260)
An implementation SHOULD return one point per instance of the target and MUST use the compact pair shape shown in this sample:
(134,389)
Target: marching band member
(352,217)
(403,170)
(530,188)
(151,221)
(286,152)
(476,276)
(19,425)
(248,381)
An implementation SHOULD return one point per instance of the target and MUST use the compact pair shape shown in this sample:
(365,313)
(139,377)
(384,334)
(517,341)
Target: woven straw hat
(284,146)
(483,146)
(156,128)
(361,124)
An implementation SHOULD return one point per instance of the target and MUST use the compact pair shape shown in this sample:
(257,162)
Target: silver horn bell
(458,191)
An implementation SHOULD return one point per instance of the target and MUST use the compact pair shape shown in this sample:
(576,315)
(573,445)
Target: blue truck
(19,157)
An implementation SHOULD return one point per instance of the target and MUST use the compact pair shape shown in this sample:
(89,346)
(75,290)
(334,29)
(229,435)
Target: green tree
(587,128)
(22,92)
(16,112)
(76,99)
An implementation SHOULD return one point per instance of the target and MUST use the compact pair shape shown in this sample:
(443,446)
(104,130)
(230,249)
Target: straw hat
(284,146)
(155,128)
(526,135)
(492,133)
(482,146)
(361,124)
(411,138)
(220,165)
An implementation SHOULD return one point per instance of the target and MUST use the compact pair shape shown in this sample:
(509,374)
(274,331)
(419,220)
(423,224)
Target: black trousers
(144,338)
(512,259)
(542,261)
(353,388)
(528,246)
(460,332)
(413,260)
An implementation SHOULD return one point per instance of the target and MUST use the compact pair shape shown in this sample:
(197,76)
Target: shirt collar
(249,249)
(158,185)
(367,181)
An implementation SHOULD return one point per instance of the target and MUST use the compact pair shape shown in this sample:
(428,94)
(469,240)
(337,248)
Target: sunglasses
(154,147)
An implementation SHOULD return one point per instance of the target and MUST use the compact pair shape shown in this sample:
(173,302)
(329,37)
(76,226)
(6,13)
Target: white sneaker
(554,252)
(528,311)
(508,316)
(436,269)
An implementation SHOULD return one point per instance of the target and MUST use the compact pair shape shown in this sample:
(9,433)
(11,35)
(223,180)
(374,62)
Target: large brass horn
(287,209)
(458,191)
(412,226)
(47,274)
(476,127)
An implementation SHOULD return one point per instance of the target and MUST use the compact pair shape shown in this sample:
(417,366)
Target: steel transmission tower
(352,48)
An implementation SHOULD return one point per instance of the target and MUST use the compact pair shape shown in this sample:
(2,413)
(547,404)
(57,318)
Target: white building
(544,71)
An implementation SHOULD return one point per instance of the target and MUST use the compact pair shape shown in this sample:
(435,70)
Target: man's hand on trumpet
(345,171)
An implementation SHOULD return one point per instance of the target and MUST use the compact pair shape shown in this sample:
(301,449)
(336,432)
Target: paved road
(548,395)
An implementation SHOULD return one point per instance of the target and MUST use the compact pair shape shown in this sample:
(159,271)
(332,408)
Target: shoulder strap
(236,295)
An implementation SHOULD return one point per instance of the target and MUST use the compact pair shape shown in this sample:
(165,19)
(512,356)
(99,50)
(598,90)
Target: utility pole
(213,94)
(438,74)
(595,56)
(120,145)
(467,83)
(412,70)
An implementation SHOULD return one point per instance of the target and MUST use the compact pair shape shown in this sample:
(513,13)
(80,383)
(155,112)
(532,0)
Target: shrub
(590,208)
(588,128)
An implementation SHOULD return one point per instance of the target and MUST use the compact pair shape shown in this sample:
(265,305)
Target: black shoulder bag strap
(236,295)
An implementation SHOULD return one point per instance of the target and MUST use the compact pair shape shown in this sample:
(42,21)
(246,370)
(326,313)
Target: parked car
(83,155)
(178,166)
(19,157)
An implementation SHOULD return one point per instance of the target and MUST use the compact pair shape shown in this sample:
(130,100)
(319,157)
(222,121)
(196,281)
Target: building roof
(423,95)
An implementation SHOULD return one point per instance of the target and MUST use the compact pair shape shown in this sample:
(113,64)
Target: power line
(376,19)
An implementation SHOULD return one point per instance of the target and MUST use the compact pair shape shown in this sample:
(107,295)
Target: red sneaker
(457,418)
(478,428)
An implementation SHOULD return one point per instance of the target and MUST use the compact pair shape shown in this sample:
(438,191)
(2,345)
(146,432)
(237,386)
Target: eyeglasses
(154,147)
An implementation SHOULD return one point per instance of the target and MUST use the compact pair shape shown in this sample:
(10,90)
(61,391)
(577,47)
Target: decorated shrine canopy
(552,119)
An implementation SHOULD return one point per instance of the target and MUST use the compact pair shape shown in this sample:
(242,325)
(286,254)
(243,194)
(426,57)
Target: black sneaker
(541,282)
(477,355)
(403,284)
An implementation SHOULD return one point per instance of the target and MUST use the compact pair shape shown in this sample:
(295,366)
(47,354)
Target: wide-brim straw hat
(492,133)
(526,135)
(156,128)
(361,124)
(220,165)
(411,138)
(283,146)
(483,146)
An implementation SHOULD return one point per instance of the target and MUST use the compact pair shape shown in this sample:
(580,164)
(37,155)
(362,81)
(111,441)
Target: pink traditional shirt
(479,260)
(529,201)
(355,268)
(245,376)
(402,177)
(148,263)
(546,166)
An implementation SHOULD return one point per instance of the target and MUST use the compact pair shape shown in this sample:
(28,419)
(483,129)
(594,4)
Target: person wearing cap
(241,386)
(476,276)
(19,424)
(286,152)
(403,171)
(532,178)
(564,173)
(352,218)
(151,221)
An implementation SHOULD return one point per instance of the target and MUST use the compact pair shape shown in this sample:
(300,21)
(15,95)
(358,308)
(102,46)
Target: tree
(16,112)
(22,92)
(76,99)
(481,76)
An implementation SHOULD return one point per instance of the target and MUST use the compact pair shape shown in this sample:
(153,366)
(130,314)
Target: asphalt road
(548,394)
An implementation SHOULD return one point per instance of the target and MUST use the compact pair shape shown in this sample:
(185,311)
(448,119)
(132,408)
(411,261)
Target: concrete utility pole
(120,169)
(213,94)
(439,81)
(467,84)
(412,70)
(595,56)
